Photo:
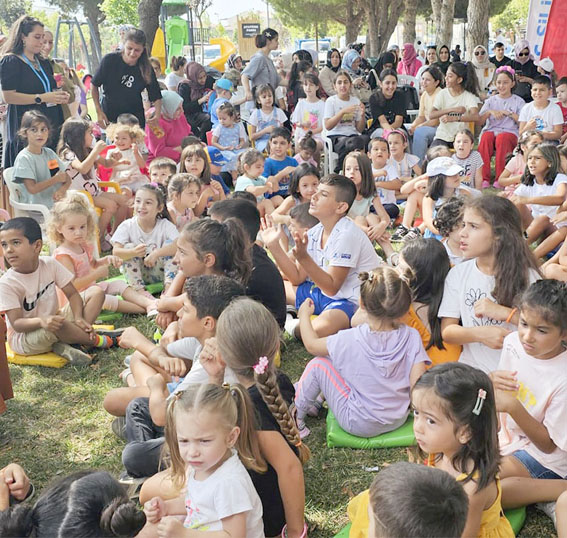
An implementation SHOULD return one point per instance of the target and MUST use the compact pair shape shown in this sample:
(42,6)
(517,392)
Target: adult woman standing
(409,64)
(484,69)
(525,69)
(328,74)
(261,69)
(124,75)
(195,91)
(444,59)
(27,83)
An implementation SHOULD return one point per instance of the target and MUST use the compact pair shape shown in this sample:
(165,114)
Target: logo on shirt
(345,256)
(127,80)
(28,307)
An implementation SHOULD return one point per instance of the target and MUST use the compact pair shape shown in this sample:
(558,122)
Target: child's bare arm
(158,399)
(81,283)
(35,187)
(128,253)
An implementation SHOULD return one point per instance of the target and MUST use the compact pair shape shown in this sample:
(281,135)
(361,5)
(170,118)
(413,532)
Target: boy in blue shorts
(328,258)
(279,165)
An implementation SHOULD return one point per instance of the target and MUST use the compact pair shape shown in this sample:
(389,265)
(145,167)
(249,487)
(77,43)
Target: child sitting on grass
(28,296)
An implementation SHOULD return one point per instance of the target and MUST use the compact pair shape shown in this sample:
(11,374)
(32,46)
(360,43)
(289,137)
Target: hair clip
(261,366)
(153,184)
(226,386)
(506,68)
(481,397)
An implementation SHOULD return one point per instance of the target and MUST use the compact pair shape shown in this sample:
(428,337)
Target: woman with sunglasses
(484,69)
(526,70)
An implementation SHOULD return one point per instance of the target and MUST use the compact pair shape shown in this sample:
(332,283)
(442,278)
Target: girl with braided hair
(369,395)
(248,339)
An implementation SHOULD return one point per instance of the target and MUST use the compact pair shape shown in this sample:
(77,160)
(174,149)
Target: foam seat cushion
(337,437)
(49,360)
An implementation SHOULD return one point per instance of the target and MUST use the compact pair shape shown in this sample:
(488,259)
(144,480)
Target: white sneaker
(290,325)
(548,509)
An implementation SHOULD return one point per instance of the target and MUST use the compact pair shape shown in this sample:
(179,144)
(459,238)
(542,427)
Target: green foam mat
(154,289)
(337,437)
(516,517)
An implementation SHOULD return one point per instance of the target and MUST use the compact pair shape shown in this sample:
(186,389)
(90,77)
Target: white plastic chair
(409,81)
(331,157)
(19,208)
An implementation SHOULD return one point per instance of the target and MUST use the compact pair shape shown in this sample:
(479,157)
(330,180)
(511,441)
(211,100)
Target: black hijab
(384,58)
(443,65)
(329,64)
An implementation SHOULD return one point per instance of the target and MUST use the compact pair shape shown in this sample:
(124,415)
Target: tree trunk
(352,20)
(95,16)
(148,11)
(445,30)
(199,18)
(477,27)
(436,6)
(410,14)
(382,17)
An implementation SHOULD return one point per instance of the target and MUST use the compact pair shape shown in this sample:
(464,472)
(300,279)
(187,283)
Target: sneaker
(497,185)
(290,325)
(291,310)
(485,184)
(133,485)
(304,431)
(399,233)
(127,360)
(119,427)
(75,356)
(548,509)
(113,333)
(412,234)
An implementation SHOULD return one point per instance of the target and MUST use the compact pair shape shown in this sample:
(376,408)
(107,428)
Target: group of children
(457,328)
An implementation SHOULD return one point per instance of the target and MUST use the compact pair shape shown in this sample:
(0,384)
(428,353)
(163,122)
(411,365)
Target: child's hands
(519,200)
(151,259)
(115,261)
(272,233)
(129,338)
(17,481)
(498,114)
(306,310)
(85,326)
(559,217)
(139,251)
(99,146)
(216,186)
(504,380)
(211,360)
(506,401)
(485,308)
(163,319)
(174,366)
(135,149)
(493,336)
(156,382)
(300,248)
(4,493)
(154,510)
(531,125)
(170,527)
(52,323)
(289,170)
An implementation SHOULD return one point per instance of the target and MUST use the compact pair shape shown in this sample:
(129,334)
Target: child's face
(160,175)
(215,169)
(562,93)
(204,444)
(310,89)
(504,84)
(202,78)
(540,93)
(37,135)
(389,85)
(226,94)
(307,187)
(266,99)
(463,146)
(539,337)
(476,237)
(324,203)
(352,171)
(397,145)
(122,140)
(194,165)
(532,142)
(146,205)
(342,86)
(428,83)
(89,138)
(451,79)
(296,226)
(190,196)
(379,153)
(306,154)
(255,169)
(537,165)
(19,252)
(226,120)
(434,430)
(453,182)
(278,147)
(187,260)
(74,229)
(455,234)
(189,323)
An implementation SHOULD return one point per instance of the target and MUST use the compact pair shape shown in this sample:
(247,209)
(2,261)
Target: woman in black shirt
(124,75)
(27,83)
(526,70)
(387,105)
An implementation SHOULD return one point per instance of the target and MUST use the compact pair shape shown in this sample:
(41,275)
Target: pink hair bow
(261,366)
(506,68)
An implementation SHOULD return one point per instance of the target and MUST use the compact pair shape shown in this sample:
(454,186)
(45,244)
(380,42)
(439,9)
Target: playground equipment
(92,58)
(227,48)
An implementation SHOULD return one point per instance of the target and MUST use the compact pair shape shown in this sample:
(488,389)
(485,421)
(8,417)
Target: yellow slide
(227,48)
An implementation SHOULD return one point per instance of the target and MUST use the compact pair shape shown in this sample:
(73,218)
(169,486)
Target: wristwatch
(37,99)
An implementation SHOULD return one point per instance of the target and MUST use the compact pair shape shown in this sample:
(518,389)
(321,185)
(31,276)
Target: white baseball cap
(546,64)
(443,165)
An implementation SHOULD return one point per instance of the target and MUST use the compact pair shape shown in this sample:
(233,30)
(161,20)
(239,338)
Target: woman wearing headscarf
(484,69)
(234,61)
(329,72)
(195,91)
(351,64)
(410,64)
(444,59)
(525,68)
(173,125)
(386,60)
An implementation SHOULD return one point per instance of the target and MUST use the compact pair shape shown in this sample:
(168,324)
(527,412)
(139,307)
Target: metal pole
(192,33)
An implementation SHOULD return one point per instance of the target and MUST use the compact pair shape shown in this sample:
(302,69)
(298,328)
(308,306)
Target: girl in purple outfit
(370,368)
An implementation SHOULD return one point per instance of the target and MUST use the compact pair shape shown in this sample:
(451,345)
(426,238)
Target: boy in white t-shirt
(328,258)
(28,296)
(541,114)
(385,175)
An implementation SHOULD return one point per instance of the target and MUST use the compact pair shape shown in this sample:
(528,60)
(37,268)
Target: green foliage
(496,7)
(121,11)
(302,15)
(10,10)
(517,10)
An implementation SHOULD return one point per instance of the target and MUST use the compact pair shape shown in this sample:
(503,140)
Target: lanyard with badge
(41,75)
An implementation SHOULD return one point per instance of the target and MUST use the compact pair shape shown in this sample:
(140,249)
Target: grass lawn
(56,425)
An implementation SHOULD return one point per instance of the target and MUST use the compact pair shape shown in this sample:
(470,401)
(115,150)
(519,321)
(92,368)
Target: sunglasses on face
(523,54)
(479,53)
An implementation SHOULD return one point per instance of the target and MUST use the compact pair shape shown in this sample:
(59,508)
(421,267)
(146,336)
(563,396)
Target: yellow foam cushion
(49,360)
